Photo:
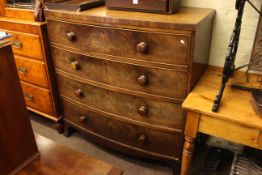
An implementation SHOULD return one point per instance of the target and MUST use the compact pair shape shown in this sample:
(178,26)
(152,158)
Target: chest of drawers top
(188,18)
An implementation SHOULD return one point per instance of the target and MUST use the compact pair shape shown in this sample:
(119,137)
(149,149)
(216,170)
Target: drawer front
(147,139)
(26,45)
(31,71)
(149,5)
(138,45)
(124,133)
(122,105)
(86,119)
(154,81)
(38,98)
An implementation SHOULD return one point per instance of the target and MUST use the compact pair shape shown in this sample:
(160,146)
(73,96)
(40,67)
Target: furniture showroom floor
(130,165)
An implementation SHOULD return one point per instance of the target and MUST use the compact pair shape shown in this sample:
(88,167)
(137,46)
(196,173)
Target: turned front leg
(191,129)
(187,155)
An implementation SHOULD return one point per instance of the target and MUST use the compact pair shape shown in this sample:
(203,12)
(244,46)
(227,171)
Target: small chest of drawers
(32,57)
(122,76)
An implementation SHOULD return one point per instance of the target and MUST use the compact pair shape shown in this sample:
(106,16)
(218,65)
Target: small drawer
(153,81)
(32,71)
(26,45)
(169,144)
(146,46)
(148,111)
(38,98)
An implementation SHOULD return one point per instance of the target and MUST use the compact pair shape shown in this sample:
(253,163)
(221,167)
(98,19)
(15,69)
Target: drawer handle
(22,70)
(83,119)
(141,139)
(142,80)
(79,93)
(17,44)
(29,97)
(141,47)
(71,36)
(143,110)
(75,65)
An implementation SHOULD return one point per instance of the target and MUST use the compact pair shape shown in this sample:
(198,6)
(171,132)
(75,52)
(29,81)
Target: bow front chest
(122,76)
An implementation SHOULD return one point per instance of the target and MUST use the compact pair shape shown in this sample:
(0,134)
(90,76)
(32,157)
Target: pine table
(235,121)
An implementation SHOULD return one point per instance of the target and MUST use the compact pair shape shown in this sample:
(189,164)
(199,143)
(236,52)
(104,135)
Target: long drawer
(38,98)
(145,46)
(32,71)
(143,138)
(25,44)
(122,105)
(155,81)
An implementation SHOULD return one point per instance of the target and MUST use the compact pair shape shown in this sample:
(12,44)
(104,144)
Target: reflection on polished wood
(57,159)
(17,143)
(236,120)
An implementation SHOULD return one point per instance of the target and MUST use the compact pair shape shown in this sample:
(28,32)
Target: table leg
(191,129)
(187,155)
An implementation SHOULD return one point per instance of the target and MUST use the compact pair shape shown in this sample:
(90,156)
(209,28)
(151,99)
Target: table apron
(231,131)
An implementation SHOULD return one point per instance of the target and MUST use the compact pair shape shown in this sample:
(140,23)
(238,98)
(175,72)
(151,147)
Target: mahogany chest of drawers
(122,76)
(32,57)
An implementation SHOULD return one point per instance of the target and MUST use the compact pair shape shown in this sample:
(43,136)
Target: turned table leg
(192,122)
(187,155)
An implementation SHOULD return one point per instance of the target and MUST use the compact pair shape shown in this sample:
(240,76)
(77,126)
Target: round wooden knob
(79,93)
(142,80)
(71,36)
(143,110)
(75,65)
(83,119)
(141,47)
(141,139)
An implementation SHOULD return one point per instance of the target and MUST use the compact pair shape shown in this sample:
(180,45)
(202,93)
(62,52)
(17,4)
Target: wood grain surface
(29,45)
(147,5)
(120,105)
(186,19)
(171,48)
(60,159)
(37,98)
(234,101)
(16,13)
(124,134)
(159,81)
(32,71)
(17,143)
(33,59)
(130,70)
(20,25)
(235,121)
(163,6)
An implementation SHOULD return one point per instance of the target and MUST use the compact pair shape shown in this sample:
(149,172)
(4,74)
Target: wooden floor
(57,159)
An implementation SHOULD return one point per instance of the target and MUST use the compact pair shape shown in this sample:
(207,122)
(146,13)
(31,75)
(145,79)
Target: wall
(223,26)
